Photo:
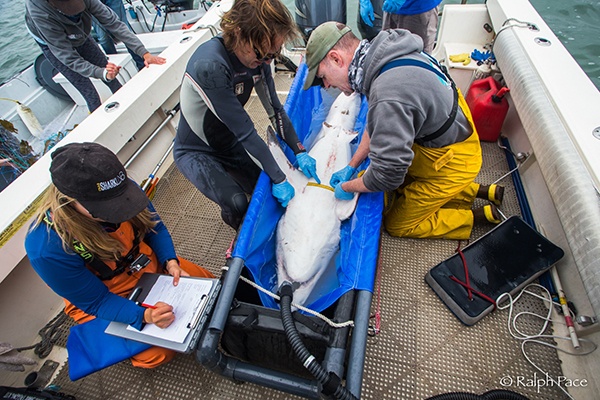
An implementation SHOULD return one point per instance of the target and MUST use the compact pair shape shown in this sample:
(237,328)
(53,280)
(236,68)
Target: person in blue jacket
(418,16)
(94,236)
(217,146)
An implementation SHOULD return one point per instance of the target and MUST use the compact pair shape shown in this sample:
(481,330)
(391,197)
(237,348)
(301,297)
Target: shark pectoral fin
(322,133)
(349,135)
(345,208)
(295,177)
(277,151)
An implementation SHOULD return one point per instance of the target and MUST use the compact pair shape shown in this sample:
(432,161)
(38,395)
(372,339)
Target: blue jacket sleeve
(159,239)
(67,275)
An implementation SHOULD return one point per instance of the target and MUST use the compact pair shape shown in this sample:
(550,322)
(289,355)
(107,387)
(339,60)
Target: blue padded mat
(356,261)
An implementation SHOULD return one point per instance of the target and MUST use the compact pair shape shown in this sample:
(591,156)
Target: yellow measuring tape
(320,185)
(329,187)
(21,220)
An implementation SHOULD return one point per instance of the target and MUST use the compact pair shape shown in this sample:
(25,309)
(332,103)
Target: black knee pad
(240,203)
(235,211)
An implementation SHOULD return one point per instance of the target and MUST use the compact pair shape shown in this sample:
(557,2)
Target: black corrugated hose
(491,395)
(330,382)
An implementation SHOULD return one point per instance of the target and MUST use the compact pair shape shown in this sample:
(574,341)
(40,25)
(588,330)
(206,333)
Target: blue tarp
(356,261)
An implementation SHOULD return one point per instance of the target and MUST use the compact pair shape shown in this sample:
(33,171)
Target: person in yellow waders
(422,144)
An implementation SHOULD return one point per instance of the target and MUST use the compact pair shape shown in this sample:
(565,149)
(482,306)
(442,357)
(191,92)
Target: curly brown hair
(259,23)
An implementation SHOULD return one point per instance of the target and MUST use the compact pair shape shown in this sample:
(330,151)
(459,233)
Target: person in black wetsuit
(217,146)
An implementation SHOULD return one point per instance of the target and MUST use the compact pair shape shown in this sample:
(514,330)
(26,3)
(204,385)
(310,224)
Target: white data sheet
(188,299)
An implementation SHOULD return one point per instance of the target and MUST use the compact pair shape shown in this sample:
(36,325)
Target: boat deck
(422,349)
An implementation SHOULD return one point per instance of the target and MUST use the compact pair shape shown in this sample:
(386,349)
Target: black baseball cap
(93,175)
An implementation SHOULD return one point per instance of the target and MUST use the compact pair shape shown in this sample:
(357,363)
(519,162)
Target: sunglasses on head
(266,57)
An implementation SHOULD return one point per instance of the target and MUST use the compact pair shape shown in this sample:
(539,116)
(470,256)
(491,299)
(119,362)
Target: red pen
(148,306)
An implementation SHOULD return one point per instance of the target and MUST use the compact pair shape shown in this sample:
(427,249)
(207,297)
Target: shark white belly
(308,234)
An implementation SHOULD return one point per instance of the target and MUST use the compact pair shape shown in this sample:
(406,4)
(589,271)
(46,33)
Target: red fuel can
(488,107)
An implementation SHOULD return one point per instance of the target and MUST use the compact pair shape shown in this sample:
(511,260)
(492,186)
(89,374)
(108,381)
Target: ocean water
(18,49)
(574,22)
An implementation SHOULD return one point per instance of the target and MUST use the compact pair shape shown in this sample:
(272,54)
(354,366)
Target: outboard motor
(312,13)
(369,32)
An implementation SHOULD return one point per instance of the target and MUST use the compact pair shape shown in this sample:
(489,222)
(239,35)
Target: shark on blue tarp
(308,234)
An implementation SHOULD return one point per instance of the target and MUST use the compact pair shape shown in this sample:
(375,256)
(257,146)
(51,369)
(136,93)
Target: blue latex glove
(283,192)
(393,6)
(342,176)
(308,165)
(342,194)
(480,56)
(366,12)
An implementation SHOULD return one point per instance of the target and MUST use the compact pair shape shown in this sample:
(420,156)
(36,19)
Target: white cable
(307,310)
(512,324)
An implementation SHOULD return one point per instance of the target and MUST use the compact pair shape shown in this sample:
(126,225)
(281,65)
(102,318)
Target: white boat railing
(558,107)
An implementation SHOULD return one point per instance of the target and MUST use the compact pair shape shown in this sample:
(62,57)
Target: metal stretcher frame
(211,357)
(352,302)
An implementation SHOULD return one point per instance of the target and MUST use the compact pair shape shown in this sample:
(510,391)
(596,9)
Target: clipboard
(195,325)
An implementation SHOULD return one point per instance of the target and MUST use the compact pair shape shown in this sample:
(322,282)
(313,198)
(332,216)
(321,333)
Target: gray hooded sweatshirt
(406,103)
(62,35)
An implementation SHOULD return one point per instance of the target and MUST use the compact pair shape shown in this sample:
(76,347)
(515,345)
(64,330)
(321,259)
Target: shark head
(343,111)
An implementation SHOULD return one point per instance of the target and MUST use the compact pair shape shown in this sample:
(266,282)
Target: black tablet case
(505,259)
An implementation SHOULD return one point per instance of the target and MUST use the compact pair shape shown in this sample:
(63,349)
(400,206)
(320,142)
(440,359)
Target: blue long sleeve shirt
(67,275)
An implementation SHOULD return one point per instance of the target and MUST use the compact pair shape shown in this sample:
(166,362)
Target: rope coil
(336,325)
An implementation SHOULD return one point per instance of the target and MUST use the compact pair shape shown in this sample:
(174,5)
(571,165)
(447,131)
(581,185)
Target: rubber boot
(488,213)
(493,193)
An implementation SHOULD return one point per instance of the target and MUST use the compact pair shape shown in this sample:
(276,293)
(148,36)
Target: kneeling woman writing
(96,233)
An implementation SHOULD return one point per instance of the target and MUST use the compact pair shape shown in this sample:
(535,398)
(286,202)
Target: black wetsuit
(217,147)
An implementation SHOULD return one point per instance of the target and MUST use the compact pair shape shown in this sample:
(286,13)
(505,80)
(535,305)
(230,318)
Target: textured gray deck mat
(422,350)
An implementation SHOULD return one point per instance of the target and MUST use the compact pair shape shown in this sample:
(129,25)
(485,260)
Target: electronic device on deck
(505,259)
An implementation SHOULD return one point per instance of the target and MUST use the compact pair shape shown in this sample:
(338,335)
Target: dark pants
(90,52)
(104,37)
(223,177)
